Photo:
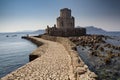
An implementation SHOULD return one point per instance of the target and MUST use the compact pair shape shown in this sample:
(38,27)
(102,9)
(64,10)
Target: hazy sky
(19,15)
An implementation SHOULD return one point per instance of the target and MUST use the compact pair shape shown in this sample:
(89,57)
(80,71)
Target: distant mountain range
(89,29)
(39,31)
(94,30)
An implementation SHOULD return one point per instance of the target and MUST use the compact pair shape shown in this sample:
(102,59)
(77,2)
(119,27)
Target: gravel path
(55,64)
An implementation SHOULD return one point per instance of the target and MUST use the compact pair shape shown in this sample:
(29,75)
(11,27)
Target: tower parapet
(65,21)
(65,13)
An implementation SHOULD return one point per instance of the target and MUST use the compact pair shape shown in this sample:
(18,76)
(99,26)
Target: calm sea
(14,52)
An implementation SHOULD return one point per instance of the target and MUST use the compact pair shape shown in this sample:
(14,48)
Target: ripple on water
(14,53)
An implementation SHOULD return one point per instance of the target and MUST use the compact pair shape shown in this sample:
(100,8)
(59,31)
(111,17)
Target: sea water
(14,52)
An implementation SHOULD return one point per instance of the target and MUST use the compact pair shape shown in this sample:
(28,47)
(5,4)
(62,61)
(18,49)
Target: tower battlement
(65,21)
(65,13)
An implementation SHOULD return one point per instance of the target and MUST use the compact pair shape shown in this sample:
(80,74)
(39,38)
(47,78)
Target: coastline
(101,54)
(14,52)
(79,69)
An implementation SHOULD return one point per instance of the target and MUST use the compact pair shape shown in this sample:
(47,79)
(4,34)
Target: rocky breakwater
(80,69)
(57,60)
(30,70)
(101,55)
(54,64)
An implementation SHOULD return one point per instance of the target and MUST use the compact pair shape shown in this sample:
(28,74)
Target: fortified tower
(65,26)
(65,21)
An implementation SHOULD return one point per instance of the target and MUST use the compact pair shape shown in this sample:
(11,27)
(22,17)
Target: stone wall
(81,70)
(39,51)
(38,43)
(65,12)
(65,21)
(66,32)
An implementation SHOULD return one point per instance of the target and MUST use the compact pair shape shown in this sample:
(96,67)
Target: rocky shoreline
(103,57)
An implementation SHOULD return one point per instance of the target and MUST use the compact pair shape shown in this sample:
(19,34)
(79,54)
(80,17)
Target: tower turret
(65,21)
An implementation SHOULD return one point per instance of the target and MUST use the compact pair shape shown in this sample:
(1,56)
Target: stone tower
(65,26)
(65,21)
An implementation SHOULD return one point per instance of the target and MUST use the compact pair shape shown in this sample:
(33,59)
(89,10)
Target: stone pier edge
(39,51)
(79,67)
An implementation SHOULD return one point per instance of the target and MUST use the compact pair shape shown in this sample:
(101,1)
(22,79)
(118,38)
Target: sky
(20,15)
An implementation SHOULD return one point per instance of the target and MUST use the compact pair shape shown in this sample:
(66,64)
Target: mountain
(95,30)
(39,31)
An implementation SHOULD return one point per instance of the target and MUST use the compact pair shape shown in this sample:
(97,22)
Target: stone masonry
(65,21)
(65,25)
(55,62)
